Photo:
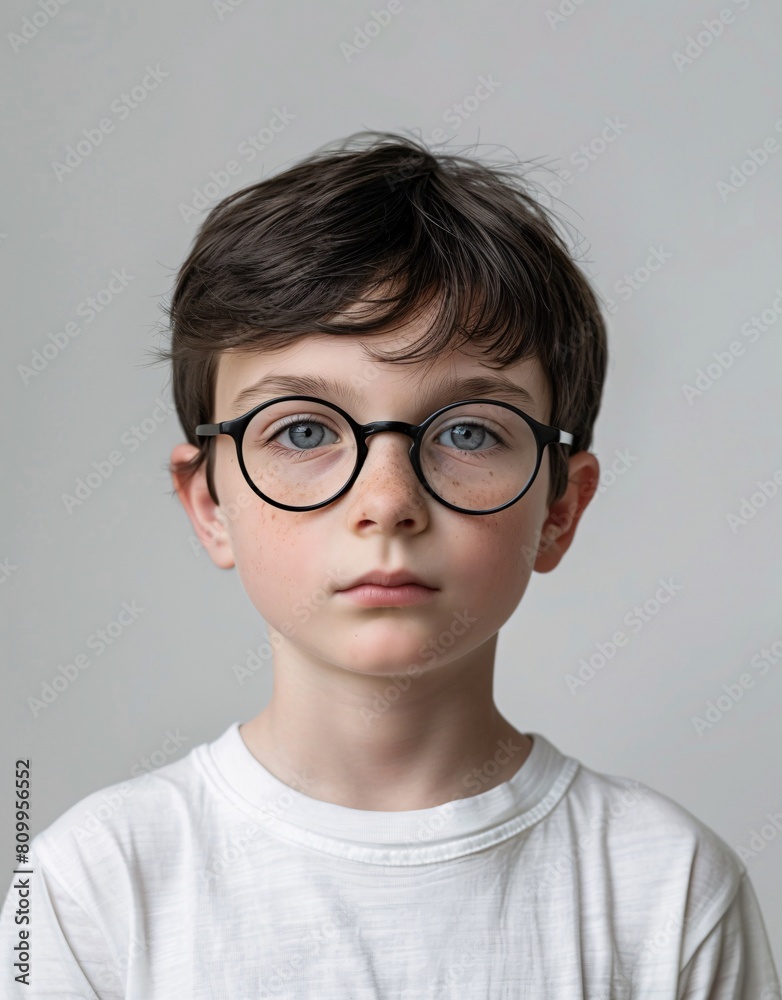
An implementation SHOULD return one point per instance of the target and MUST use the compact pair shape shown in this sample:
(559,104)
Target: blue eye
(468,437)
(304,434)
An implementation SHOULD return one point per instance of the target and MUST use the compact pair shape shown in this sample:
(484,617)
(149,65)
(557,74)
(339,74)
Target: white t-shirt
(211,878)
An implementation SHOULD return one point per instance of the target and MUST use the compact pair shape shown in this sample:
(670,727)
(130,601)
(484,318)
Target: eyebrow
(438,390)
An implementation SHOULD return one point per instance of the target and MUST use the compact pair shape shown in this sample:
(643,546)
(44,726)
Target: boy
(379,829)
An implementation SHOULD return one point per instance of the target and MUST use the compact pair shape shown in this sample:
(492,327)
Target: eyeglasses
(477,456)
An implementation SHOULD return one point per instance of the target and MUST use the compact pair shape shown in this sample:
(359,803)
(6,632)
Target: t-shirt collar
(419,836)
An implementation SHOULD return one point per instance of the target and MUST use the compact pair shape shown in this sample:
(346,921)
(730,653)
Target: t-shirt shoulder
(118,827)
(674,856)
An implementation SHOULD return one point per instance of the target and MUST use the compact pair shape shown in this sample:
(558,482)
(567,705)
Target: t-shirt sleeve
(69,957)
(734,961)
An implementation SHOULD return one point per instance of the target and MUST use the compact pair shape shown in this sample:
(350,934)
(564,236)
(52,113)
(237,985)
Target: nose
(389,457)
(387,490)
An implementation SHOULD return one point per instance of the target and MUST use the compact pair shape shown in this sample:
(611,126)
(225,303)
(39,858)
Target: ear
(207,519)
(559,528)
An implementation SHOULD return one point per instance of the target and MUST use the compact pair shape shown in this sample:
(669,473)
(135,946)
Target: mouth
(380,588)
(373,595)
(390,580)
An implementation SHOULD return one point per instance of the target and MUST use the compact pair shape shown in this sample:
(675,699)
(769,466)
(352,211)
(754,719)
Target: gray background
(682,130)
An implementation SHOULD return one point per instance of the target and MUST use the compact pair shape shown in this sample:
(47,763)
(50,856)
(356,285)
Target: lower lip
(372,595)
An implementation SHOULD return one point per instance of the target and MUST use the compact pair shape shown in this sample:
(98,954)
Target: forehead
(340,369)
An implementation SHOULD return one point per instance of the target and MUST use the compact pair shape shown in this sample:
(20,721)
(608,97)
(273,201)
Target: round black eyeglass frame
(235,428)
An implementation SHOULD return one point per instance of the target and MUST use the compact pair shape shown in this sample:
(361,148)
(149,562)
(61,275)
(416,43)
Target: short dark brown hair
(380,212)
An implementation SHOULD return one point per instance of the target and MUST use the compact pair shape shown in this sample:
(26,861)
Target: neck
(386,743)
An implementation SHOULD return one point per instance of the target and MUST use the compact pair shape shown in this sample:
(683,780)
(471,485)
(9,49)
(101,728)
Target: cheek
(496,553)
(271,558)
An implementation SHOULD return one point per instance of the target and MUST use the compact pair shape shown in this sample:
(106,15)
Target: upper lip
(387,579)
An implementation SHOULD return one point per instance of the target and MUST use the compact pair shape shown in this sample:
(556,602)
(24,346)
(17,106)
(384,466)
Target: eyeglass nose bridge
(413,431)
(399,426)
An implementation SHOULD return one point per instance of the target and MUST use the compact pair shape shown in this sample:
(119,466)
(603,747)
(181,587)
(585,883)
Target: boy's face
(293,564)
